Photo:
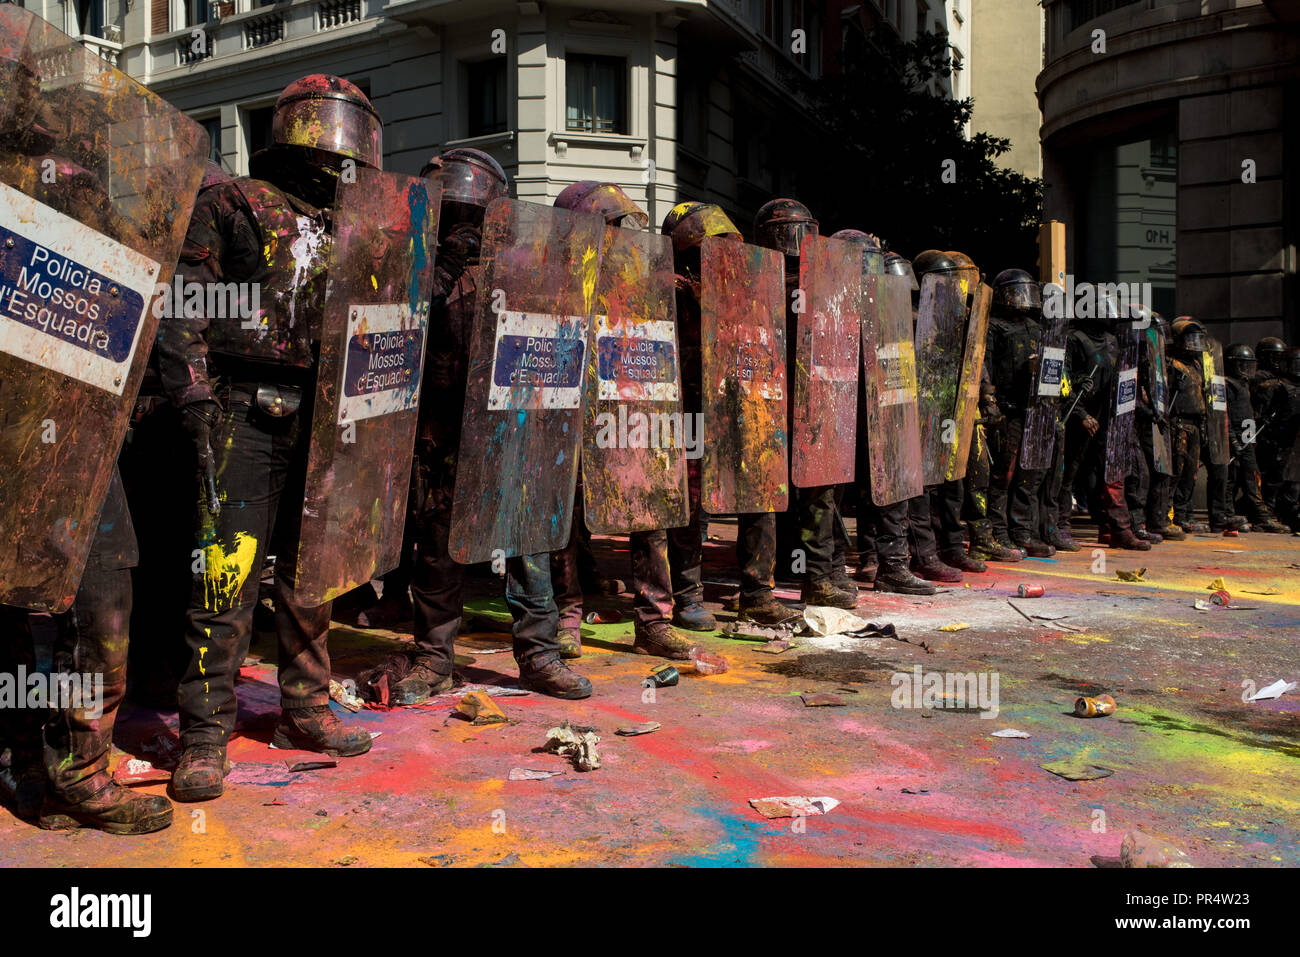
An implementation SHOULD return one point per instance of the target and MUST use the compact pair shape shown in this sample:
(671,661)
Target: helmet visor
(1194,341)
(1024,298)
(333,125)
(787,237)
(705,221)
(467,183)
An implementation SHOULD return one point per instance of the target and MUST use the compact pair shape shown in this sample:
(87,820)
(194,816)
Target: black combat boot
(1061,540)
(114,810)
(960,560)
(319,729)
(200,774)
(1269,524)
(23,786)
(768,611)
(694,617)
(1173,533)
(1124,538)
(985,547)
(931,569)
(420,684)
(551,676)
(570,640)
(824,592)
(1035,548)
(895,577)
(663,641)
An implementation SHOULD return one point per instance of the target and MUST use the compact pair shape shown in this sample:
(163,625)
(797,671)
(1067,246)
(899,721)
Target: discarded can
(1030,591)
(1221,598)
(665,676)
(608,617)
(1097,707)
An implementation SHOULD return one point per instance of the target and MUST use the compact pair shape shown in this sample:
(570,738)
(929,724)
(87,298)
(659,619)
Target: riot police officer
(782,224)
(245,389)
(1187,419)
(1244,479)
(1014,341)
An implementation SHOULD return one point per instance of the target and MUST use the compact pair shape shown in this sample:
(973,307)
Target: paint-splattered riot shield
(742,314)
(1157,385)
(889,376)
(373,335)
(1043,406)
(1121,443)
(97,179)
(827,335)
(949,356)
(635,433)
(1216,403)
(522,428)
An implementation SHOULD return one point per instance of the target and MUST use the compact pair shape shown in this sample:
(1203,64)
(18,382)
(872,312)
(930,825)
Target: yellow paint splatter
(227,571)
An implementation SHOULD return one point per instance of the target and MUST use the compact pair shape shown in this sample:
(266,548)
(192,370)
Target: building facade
(670,99)
(1166,129)
(1006,44)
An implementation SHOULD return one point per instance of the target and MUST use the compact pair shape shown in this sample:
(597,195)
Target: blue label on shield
(379,361)
(67,300)
(636,360)
(538,362)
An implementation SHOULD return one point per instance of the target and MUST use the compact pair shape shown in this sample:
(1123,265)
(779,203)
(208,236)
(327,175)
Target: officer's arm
(181,347)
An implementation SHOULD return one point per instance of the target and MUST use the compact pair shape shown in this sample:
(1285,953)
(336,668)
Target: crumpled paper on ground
(578,748)
(773,807)
(823,622)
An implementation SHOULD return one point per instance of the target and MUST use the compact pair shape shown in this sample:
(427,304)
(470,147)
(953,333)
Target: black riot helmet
(470,180)
(933,260)
(1016,293)
(1239,360)
(782,224)
(1271,353)
(1293,362)
(1189,337)
(896,265)
(607,199)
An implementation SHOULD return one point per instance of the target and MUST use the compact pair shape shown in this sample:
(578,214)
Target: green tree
(889,141)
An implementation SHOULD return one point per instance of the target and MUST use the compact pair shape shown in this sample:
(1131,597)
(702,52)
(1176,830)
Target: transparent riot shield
(97,179)
(1121,444)
(635,434)
(522,429)
(889,372)
(742,313)
(1216,404)
(373,335)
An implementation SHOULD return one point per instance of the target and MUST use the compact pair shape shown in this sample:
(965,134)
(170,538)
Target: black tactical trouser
(934,521)
(882,533)
(573,567)
(90,647)
(437,581)
(261,465)
(1152,508)
(1244,486)
(756,555)
(161,487)
(1049,495)
(815,510)
(1185,451)
(1138,482)
(668,564)
(979,472)
(1013,491)
(1217,496)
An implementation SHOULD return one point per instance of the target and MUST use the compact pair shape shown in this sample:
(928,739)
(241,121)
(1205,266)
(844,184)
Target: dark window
(486,86)
(597,94)
(258,124)
(1164,150)
(213,127)
(1081,11)
(922,16)
(772,20)
(196,12)
(90,17)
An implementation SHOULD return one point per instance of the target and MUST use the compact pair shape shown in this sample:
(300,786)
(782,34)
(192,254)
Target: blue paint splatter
(737,847)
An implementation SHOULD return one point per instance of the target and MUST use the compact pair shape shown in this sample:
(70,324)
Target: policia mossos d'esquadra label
(71,299)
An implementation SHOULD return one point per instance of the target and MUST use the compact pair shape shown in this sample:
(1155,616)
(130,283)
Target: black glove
(198,419)
(455,253)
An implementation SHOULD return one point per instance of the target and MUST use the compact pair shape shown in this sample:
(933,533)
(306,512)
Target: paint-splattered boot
(895,577)
(868,570)
(570,641)
(114,810)
(319,729)
(932,569)
(824,592)
(963,562)
(841,579)
(662,640)
(553,677)
(1124,538)
(1062,540)
(1173,533)
(1272,525)
(420,684)
(695,617)
(1035,548)
(200,774)
(768,611)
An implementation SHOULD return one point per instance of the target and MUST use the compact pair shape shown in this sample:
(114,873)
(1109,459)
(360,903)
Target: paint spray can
(1221,598)
(1097,707)
(1030,591)
(665,676)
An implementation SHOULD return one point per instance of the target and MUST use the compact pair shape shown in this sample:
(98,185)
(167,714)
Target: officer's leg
(536,646)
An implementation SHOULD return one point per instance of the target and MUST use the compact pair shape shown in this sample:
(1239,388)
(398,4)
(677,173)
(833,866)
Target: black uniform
(1187,424)
(1013,342)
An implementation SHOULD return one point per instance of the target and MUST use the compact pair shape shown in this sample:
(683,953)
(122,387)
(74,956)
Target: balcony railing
(261,31)
(106,50)
(337,13)
(191,49)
